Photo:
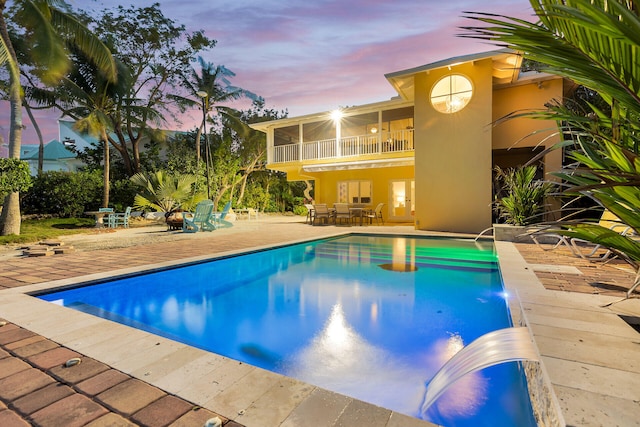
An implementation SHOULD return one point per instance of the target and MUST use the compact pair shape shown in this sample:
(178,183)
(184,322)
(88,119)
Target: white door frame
(401,200)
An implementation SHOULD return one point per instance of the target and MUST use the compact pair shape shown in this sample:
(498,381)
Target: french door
(401,204)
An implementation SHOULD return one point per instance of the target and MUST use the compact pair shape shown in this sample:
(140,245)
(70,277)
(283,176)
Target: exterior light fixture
(336,115)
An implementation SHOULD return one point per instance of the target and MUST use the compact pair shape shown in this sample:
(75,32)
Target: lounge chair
(548,241)
(342,212)
(219,217)
(322,213)
(593,252)
(120,218)
(201,219)
(376,213)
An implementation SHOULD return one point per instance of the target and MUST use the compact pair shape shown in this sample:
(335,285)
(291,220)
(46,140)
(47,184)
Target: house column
(300,140)
(379,131)
(336,115)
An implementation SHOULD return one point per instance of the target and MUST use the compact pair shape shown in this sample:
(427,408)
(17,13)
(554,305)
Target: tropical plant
(163,192)
(47,31)
(595,43)
(14,176)
(524,200)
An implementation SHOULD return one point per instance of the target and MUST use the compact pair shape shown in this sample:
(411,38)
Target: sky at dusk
(312,56)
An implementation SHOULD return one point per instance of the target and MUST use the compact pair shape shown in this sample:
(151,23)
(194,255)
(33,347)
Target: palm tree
(49,29)
(90,99)
(595,43)
(208,90)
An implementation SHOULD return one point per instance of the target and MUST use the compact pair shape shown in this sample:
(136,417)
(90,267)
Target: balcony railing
(352,146)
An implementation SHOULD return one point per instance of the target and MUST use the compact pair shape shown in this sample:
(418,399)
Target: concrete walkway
(590,353)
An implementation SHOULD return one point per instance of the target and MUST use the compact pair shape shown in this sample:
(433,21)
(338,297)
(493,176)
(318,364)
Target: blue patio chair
(219,217)
(120,218)
(200,219)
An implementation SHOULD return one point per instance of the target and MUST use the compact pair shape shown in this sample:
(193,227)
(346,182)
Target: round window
(451,93)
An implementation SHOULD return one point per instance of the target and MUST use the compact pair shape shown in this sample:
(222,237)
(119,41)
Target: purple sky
(315,55)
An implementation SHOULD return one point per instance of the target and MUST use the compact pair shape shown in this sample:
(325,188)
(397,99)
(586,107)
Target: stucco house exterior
(428,153)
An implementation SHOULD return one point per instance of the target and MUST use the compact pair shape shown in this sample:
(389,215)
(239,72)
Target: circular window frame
(451,101)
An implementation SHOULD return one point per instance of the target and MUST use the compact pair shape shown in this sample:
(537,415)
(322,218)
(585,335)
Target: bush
(300,210)
(67,194)
(14,176)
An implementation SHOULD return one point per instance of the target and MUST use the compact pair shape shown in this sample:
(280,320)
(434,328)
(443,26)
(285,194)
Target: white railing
(352,146)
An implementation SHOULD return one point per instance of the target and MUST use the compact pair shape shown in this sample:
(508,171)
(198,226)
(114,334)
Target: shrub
(14,176)
(66,194)
(523,203)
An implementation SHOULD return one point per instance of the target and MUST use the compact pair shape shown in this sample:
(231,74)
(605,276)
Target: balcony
(345,148)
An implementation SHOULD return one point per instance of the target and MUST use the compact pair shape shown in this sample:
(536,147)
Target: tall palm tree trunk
(10,217)
(107,164)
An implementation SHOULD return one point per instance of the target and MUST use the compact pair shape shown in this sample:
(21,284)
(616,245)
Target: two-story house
(428,153)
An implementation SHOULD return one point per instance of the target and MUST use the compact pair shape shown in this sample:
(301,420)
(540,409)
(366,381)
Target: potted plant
(521,201)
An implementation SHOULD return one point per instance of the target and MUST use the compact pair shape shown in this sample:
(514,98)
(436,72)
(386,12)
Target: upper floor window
(451,93)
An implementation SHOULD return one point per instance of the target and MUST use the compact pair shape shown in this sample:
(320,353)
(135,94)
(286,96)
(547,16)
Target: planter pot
(509,233)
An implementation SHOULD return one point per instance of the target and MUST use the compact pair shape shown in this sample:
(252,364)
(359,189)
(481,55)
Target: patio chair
(251,212)
(310,213)
(120,218)
(376,213)
(322,213)
(219,217)
(342,212)
(200,219)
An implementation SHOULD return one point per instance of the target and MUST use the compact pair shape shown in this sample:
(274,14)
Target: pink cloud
(315,56)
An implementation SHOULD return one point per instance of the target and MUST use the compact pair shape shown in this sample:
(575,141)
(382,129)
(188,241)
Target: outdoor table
(99,217)
(357,212)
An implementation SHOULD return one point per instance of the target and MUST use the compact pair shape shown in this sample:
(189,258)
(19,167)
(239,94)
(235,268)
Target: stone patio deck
(129,377)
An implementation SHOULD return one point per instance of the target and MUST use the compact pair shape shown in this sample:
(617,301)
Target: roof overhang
(506,67)
(360,164)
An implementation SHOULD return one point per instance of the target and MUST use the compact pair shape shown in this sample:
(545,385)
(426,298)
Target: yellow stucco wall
(326,189)
(453,155)
(510,132)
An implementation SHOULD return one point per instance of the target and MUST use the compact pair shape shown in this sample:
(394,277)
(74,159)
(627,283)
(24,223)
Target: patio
(589,352)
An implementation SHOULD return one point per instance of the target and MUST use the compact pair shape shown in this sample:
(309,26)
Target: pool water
(371,317)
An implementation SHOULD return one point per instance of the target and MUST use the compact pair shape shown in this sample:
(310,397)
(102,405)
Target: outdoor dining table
(99,217)
(358,212)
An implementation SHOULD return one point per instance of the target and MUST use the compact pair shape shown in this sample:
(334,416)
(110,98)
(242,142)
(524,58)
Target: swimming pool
(371,317)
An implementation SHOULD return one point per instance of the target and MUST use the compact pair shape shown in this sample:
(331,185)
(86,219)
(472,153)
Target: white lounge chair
(593,252)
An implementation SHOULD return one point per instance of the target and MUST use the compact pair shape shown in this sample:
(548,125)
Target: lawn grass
(33,230)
